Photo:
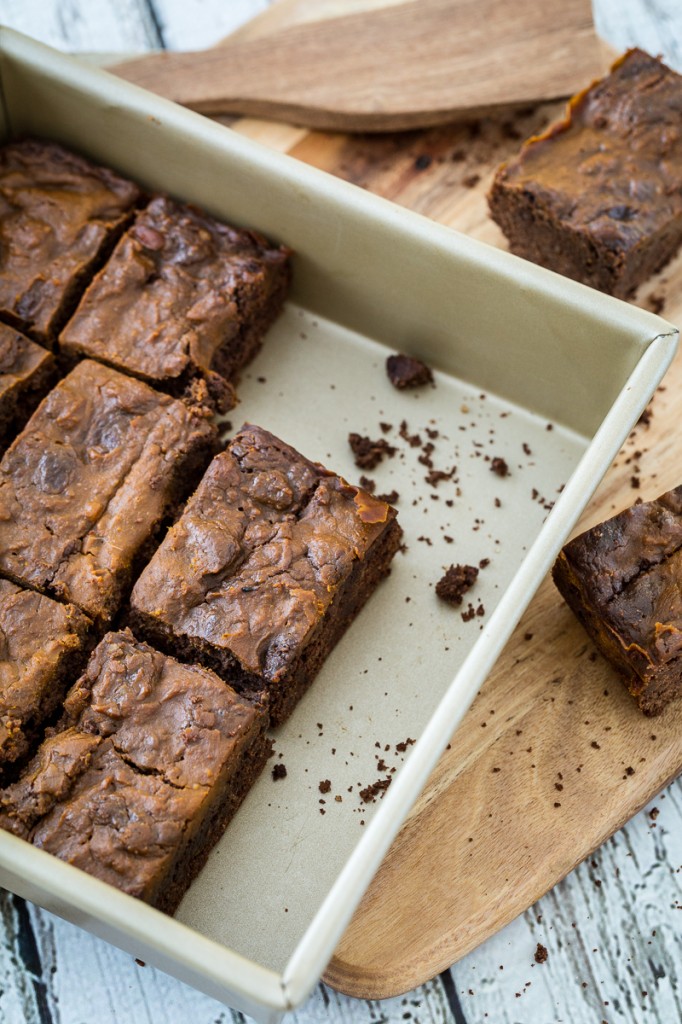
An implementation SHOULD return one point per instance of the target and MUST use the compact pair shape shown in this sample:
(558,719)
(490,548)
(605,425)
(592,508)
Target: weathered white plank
(194,26)
(653,26)
(112,25)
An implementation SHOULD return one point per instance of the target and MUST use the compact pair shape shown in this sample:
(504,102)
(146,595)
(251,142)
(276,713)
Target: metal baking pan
(516,350)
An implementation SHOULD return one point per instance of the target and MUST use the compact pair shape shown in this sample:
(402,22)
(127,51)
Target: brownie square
(27,372)
(270,562)
(598,195)
(623,580)
(150,762)
(183,296)
(43,646)
(88,483)
(59,215)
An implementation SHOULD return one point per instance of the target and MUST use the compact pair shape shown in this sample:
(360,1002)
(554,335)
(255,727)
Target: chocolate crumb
(368,453)
(389,498)
(324,786)
(279,771)
(656,303)
(499,466)
(456,581)
(654,813)
(407,372)
(541,954)
(368,484)
(375,789)
(386,427)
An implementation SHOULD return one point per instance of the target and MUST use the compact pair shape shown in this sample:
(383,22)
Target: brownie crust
(182,296)
(43,647)
(598,195)
(27,371)
(149,763)
(87,485)
(270,562)
(59,216)
(622,580)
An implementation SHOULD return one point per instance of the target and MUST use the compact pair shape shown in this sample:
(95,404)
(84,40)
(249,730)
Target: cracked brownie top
(175,296)
(259,553)
(86,484)
(145,749)
(57,212)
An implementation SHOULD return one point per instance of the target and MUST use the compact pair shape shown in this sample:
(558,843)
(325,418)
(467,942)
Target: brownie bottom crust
(281,696)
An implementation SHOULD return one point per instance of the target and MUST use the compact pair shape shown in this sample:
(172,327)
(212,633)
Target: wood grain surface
(611,927)
(404,65)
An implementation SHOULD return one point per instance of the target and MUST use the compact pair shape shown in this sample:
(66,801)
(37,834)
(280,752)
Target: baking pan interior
(526,367)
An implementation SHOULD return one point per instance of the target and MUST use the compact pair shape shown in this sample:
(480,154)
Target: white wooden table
(613,928)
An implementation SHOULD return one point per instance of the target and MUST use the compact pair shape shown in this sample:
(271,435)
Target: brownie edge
(623,580)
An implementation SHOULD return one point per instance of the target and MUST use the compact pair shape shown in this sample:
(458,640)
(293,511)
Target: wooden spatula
(397,65)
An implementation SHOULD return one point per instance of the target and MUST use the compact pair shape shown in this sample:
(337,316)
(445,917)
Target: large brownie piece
(27,371)
(598,195)
(59,216)
(148,765)
(183,296)
(623,580)
(88,483)
(43,646)
(270,562)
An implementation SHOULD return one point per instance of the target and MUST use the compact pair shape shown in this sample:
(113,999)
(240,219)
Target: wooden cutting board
(552,757)
(384,66)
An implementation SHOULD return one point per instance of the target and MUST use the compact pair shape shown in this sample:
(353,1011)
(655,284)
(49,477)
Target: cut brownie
(59,216)
(271,561)
(43,646)
(27,372)
(598,196)
(183,296)
(88,483)
(623,580)
(148,765)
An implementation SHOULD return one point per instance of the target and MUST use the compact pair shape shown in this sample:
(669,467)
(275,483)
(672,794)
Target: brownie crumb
(541,954)
(471,180)
(279,771)
(407,372)
(224,429)
(499,466)
(368,453)
(423,162)
(324,786)
(656,303)
(404,744)
(389,498)
(368,484)
(457,580)
(369,794)
(434,476)
(386,427)
(654,813)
